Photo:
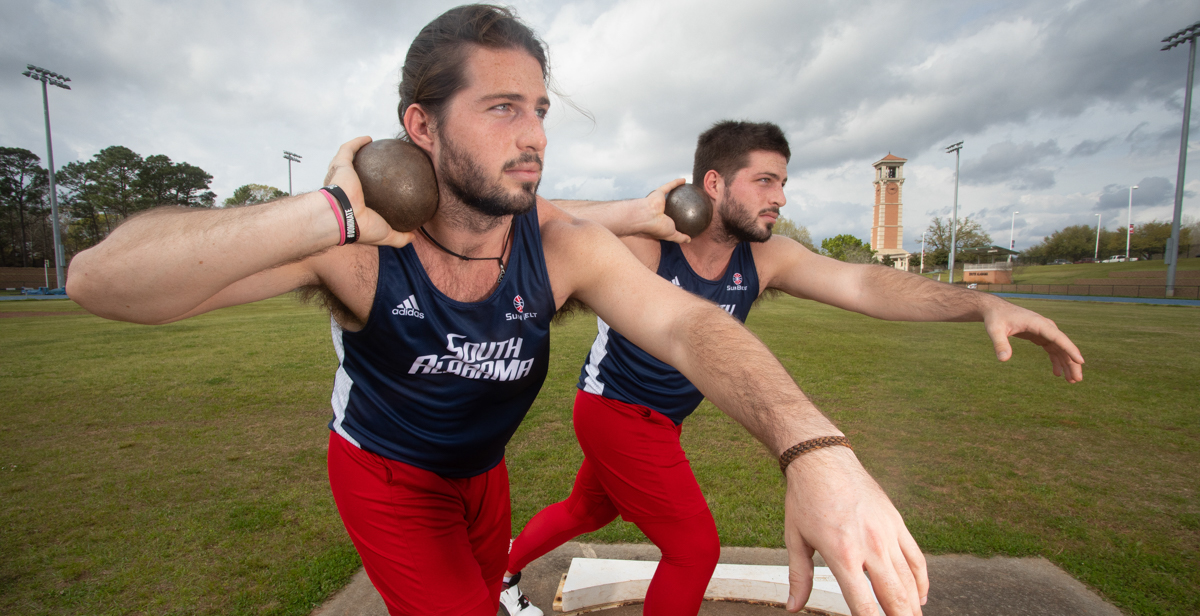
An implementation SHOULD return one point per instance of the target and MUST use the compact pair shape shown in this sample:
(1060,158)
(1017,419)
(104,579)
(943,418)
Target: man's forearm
(621,218)
(887,293)
(165,262)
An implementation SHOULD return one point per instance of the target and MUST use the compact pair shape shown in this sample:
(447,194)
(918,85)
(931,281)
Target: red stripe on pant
(634,466)
(430,544)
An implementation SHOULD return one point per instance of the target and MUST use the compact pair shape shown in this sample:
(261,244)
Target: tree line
(1149,240)
(94,196)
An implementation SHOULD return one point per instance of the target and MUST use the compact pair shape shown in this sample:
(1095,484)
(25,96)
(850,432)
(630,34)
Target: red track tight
(430,544)
(634,467)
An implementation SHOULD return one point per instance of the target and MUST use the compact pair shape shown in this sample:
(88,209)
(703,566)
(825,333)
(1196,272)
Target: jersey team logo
(519,304)
(737,279)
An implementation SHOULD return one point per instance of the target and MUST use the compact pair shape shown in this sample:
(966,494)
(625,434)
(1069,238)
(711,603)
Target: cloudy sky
(1060,105)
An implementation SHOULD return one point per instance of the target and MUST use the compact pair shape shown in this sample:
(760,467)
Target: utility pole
(1096,257)
(291,158)
(1012,238)
(1188,34)
(954,212)
(54,79)
(1129,222)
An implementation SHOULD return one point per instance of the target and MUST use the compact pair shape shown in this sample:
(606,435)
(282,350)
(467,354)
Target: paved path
(961,585)
(9,298)
(1167,301)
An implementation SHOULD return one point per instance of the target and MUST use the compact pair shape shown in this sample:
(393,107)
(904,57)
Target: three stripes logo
(408,308)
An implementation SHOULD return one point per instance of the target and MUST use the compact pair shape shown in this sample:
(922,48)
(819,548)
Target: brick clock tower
(887,223)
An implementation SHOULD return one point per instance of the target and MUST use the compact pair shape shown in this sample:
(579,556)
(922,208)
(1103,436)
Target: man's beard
(468,182)
(738,224)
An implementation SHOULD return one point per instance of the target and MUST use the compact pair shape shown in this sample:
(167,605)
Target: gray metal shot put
(398,182)
(690,208)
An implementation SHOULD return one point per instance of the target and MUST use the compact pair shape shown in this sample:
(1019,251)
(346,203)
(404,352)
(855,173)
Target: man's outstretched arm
(833,505)
(166,263)
(630,217)
(888,293)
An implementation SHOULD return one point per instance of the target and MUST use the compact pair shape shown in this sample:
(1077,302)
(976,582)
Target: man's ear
(714,185)
(419,125)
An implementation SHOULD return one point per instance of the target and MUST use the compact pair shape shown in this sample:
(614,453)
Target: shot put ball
(689,207)
(398,182)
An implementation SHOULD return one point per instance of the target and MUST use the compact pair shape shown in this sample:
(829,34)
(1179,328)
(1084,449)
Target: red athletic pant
(634,466)
(430,544)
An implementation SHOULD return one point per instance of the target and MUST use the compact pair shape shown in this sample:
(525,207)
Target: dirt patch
(12,315)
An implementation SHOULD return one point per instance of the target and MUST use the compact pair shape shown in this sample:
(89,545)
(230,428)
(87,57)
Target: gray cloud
(1150,192)
(1014,164)
(1090,147)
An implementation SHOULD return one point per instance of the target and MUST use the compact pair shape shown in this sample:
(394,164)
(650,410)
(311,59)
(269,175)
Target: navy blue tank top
(442,384)
(619,370)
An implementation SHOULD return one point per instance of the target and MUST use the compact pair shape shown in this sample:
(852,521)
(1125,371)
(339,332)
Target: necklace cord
(499,260)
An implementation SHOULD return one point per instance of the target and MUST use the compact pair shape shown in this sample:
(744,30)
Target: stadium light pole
(1099,218)
(923,251)
(50,77)
(954,212)
(291,158)
(1129,222)
(1188,34)
(1012,238)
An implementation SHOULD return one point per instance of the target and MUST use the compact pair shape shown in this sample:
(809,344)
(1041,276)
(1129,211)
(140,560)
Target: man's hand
(649,220)
(834,507)
(372,228)
(1003,319)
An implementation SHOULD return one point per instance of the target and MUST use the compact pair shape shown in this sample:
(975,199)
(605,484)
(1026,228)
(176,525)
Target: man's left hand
(1003,320)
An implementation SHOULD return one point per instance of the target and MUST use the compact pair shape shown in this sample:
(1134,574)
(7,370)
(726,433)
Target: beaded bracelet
(795,451)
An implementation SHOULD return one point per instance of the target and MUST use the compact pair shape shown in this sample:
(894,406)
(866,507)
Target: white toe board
(595,582)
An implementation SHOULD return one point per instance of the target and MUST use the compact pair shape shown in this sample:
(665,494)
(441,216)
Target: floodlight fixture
(1188,34)
(954,212)
(48,77)
(291,157)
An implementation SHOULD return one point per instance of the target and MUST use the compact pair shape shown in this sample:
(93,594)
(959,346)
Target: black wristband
(350,225)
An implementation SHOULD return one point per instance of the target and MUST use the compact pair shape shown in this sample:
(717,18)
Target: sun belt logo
(408,308)
(521,315)
(737,284)
(737,279)
(485,361)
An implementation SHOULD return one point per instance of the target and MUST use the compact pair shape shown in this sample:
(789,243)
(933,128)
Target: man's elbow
(87,285)
(80,276)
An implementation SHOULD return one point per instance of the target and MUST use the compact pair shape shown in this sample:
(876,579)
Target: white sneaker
(517,603)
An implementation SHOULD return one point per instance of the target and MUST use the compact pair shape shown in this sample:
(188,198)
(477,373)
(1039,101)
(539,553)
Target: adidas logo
(408,308)
(675,281)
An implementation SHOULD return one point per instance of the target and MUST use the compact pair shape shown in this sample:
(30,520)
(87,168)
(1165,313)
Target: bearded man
(630,406)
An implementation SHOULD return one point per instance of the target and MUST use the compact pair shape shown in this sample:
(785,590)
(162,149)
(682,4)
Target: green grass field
(180,469)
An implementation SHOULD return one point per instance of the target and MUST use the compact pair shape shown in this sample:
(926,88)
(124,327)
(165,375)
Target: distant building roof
(889,158)
(984,251)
